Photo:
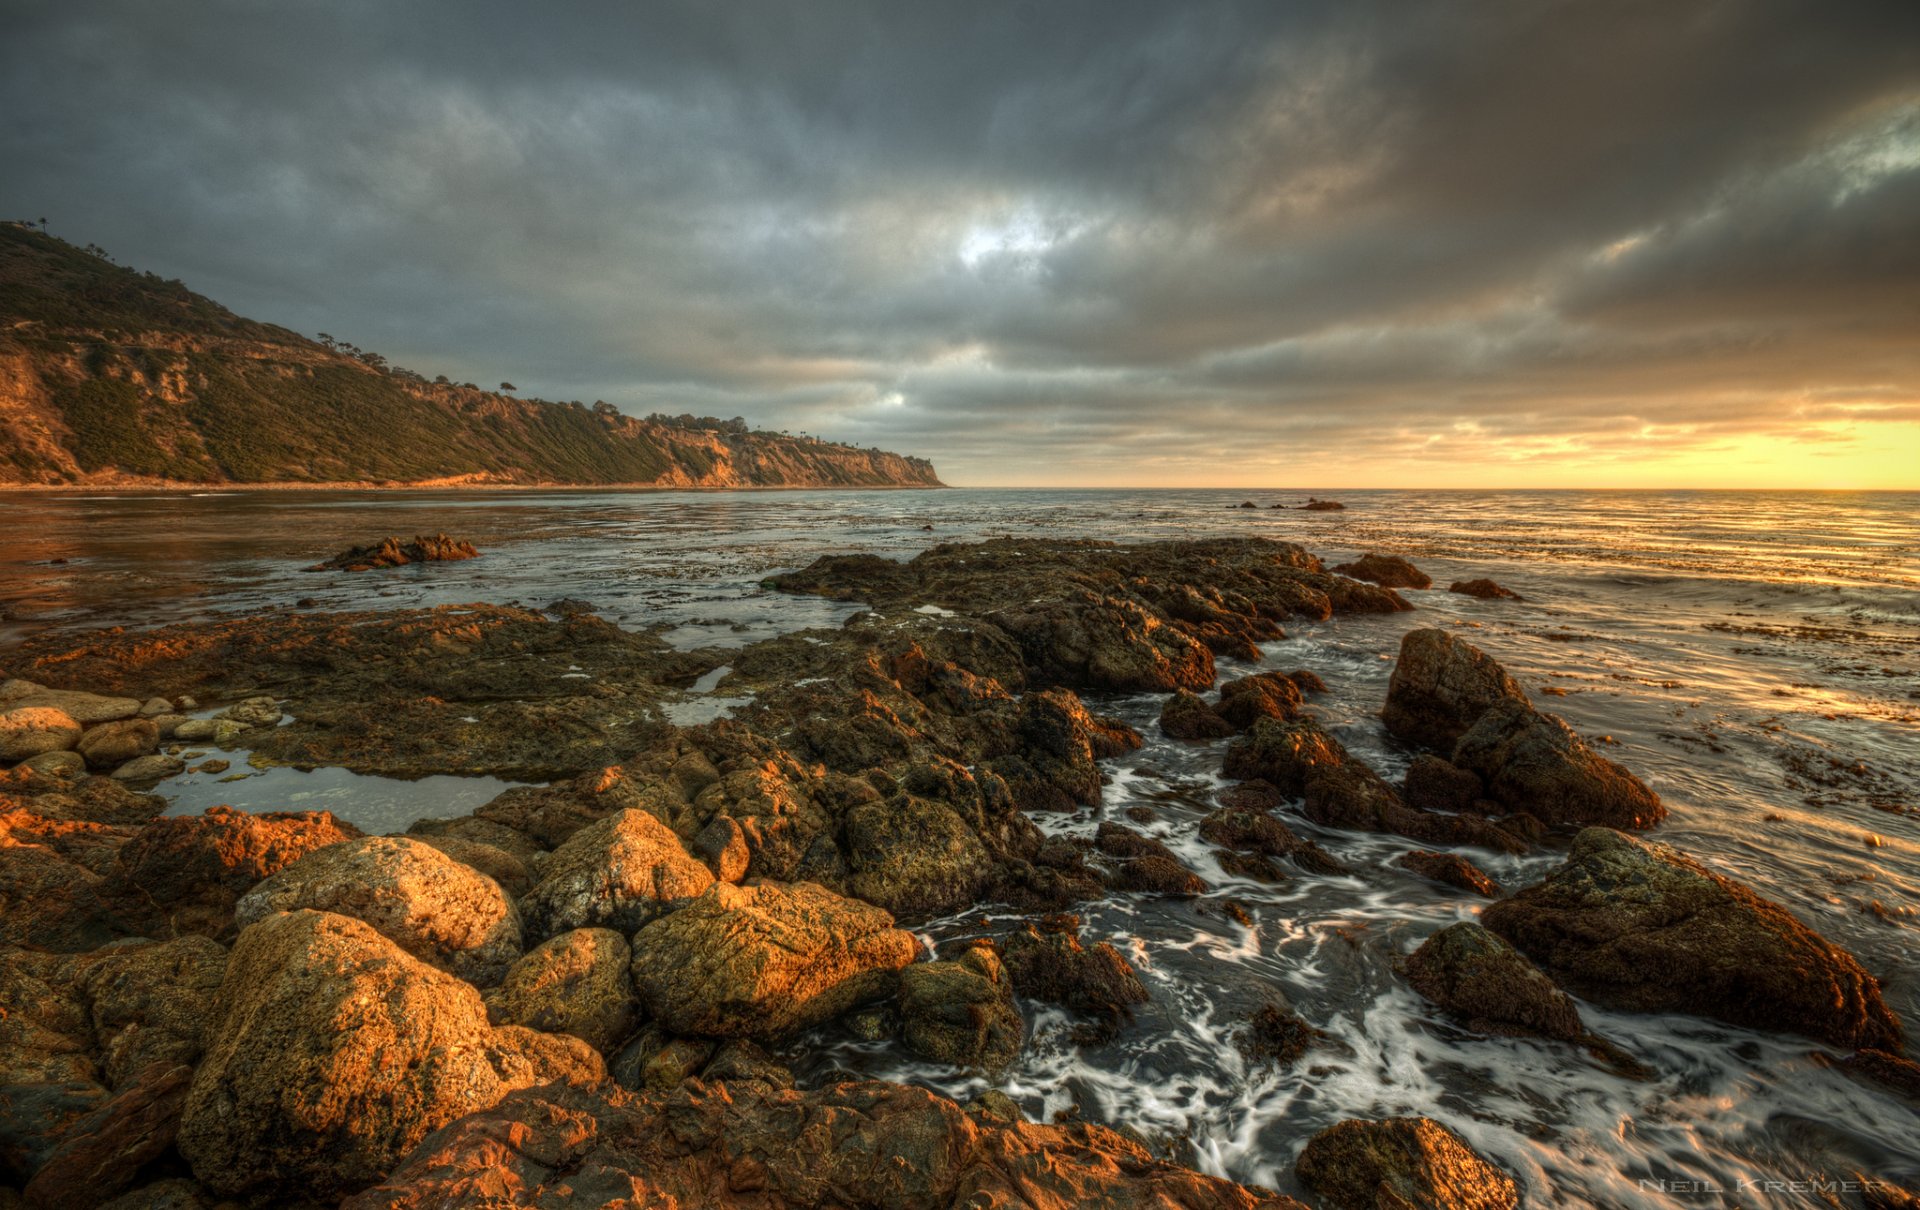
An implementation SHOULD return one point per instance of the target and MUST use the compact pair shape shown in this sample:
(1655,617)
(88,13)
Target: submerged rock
(1533,762)
(619,873)
(1485,589)
(444,913)
(1491,987)
(1440,687)
(961,1012)
(1275,1033)
(764,960)
(1400,1164)
(1639,927)
(1388,571)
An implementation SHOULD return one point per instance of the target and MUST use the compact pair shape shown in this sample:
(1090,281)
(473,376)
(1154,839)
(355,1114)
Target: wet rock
(1440,687)
(101,1154)
(1307,681)
(190,870)
(578,983)
(1276,1034)
(150,768)
(1434,783)
(1640,927)
(34,1117)
(1187,716)
(1286,754)
(1060,743)
(86,709)
(1533,762)
(1886,1069)
(1245,701)
(109,745)
(915,858)
(332,1054)
(1485,589)
(1388,571)
(1322,506)
(392,552)
(1402,1163)
(150,1003)
(764,960)
(1048,963)
(1490,987)
(1450,868)
(752,1144)
(722,844)
(444,913)
(253,712)
(1145,864)
(618,873)
(961,1012)
(1255,831)
(32,730)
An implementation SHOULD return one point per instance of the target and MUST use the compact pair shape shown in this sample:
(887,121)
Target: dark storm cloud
(1021,238)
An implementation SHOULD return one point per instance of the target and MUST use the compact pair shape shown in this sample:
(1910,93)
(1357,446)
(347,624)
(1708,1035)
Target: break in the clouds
(1062,242)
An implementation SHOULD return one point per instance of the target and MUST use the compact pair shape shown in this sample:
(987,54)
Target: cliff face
(108,376)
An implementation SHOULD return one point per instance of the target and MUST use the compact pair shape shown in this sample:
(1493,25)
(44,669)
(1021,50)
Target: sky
(1284,243)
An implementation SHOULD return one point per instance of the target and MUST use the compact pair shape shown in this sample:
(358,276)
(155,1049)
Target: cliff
(112,377)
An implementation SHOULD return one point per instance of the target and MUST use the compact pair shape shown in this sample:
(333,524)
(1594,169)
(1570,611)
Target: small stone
(195,730)
(212,766)
(154,707)
(254,712)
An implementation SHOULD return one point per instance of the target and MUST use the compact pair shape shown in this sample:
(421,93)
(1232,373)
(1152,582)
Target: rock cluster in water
(392,552)
(583,991)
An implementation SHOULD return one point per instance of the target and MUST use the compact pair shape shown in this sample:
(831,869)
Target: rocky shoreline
(588,990)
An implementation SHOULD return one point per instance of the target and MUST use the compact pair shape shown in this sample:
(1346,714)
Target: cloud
(1087,239)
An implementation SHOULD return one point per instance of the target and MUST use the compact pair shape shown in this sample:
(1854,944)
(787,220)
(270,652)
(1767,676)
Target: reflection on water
(1754,656)
(375,805)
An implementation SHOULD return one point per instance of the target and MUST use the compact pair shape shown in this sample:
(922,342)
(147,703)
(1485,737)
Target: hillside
(113,377)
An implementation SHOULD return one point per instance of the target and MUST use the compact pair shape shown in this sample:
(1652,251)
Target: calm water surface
(1754,656)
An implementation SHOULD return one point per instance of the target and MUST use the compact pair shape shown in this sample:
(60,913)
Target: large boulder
(1388,571)
(1441,686)
(442,912)
(1534,762)
(765,960)
(1400,1164)
(1489,986)
(1262,695)
(961,1012)
(83,708)
(31,730)
(110,745)
(1047,962)
(151,1002)
(867,1145)
(915,858)
(1640,927)
(578,983)
(333,1053)
(191,869)
(618,873)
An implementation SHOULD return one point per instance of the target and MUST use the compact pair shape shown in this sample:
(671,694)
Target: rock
(252,712)
(1452,869)
(149,1002)
(1888,1070)
(56,764)
(150,768)
(50,901)
(762,961)
(496,863)
(915,858)
(192,869)
(577,983)
(1047,962)
(392,552)
(1277,1034)
(1490,987)
(34,1117)
(109,745)
(738,1059)
(1388,571)
(1322,506)
(32,730)
(1253,831)
(444,913)
(1145,864)
(168,724)
(1440,687)
(333,1052)
(1187,716)
(618,873)
(854,1144)
(1639,927)
(722,844)
(196,730)
(1402,1164)
(167,1193)
(100,1154)
(1307,681)
(12,689)
(1245,701)
(1486,590)
(1286,754)
(1436,784)
(961,1012)
(154,707)
(83,708)
(1533,762)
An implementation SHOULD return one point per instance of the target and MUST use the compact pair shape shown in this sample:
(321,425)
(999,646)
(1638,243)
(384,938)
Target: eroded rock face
(619,873)
(961,1012)
(1440,687)
(1640,927)
(442,912)
(578,983)
(761,961)
(1400,1162)
(1491,987)
(1534,762)
(191,869)
(915,858)
(101,1153)
(749,1143)
(332,1054)
(151,1002)
(1388,571)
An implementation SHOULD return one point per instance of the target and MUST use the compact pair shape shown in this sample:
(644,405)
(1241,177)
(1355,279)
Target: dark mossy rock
(1489,986)
(1253,831)
(1388,571)
(1485,589)
(1434,783)
(1452,869)
(392,552)
(1144,864)
(1276,1034)
(1187,716)
(1640,927)
(1307,681)
(1263,695)
(962,1012)
(1400,1164)
(1048,963)
(1440,687)
(1533,762)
